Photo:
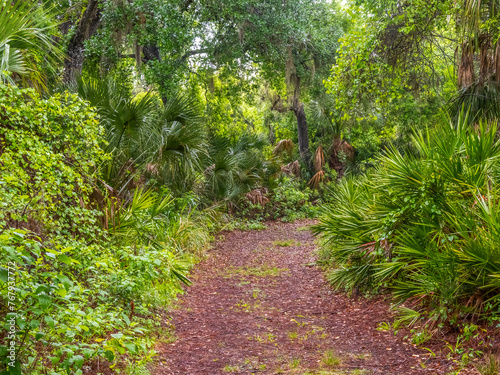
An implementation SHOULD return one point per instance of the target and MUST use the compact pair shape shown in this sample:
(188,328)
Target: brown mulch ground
(259,308)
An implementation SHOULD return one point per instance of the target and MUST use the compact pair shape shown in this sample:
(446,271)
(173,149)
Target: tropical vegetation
(132,131)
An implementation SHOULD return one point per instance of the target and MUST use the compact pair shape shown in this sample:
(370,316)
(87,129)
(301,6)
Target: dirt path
(259,305)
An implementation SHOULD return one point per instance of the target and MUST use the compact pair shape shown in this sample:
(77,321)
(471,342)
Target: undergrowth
(84,274)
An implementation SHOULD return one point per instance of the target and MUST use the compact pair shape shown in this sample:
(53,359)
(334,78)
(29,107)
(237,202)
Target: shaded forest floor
(259,305)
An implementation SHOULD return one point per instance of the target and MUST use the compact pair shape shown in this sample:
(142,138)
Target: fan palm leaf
(25,40)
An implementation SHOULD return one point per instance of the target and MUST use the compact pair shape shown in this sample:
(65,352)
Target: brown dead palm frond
(319,159)
(466,74)
(152,168)
(485,58)
(292,168)
(340,152)
(496,62)
(316,180)
(284,145)
(258,196)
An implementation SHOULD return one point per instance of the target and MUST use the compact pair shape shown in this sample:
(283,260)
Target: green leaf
(109,355)
(127,320)
(61,292)
(54,360)
(78,360)
(87,352)
(65,259)
(44,301)
(49,321)
(16,370)
(131,347)
(4,274)
(117,335)
(21,323)
(85,328)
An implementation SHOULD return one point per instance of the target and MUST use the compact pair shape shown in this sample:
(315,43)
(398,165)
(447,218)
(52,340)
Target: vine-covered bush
(291,202)
(49,157)
(286,201)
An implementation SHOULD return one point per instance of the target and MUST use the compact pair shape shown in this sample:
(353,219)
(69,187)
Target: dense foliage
(132,130)
(423,223)
(82,290)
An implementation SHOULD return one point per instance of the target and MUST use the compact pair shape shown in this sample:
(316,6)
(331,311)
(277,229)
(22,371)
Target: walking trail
(260,305)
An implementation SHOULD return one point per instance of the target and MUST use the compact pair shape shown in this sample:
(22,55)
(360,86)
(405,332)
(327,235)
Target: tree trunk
(151,53)
(303,136)
(87,26)
(298,109)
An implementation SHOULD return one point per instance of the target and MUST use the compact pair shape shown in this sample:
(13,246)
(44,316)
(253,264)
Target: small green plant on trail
(263,338)
(383,326)
(285,243)
(294,363)
(421,336)
(459,348)
(330,359)
(303,229)
(262,271)
(258,293)
(229,368)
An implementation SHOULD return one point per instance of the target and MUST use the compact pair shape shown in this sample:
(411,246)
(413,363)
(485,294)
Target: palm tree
(479,59)
(26,43)
(179,143)
(235,169)
(339,151)
(166,141)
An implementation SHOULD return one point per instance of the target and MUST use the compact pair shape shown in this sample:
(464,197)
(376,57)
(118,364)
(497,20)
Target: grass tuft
(330,359)
(491,366)
(285,243)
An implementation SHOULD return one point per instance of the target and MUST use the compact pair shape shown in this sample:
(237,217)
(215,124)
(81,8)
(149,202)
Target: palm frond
(26,33)
(285,145)
(319,159)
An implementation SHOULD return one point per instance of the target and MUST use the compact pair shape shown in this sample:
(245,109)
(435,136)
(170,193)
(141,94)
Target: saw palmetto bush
(236,168)
(425,223)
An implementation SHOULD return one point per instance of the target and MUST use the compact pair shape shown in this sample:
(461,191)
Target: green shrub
(50,152)
(291,202)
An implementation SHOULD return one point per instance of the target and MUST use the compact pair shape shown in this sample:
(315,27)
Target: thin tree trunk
(87,26)
(303,135)
(298,109)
